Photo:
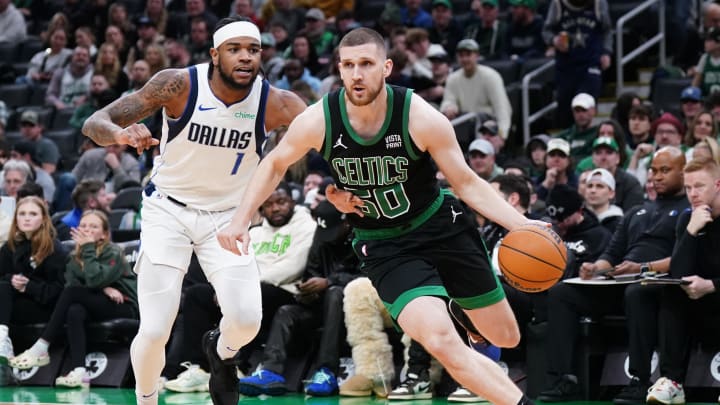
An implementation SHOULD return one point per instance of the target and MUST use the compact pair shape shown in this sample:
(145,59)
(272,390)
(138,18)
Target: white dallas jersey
(208,155)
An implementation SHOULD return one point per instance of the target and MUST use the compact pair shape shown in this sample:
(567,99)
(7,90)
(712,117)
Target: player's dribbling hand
(345,201)
(231,235)
(137,136)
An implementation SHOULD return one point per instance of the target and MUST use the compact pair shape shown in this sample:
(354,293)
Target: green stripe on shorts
(484,300)
(429,290)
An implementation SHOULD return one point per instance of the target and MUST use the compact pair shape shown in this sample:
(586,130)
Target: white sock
(223,351)
(147,399)
(40,348)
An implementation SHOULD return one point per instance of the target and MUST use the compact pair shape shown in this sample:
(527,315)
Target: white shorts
(170,233)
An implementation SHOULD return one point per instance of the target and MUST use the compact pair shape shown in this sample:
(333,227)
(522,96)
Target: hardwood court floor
(112,396)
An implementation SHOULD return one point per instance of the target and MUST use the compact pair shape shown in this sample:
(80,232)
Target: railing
(527,118)
(620,60)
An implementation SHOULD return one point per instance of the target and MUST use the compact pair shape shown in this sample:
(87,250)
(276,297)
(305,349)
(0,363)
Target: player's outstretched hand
(345,201)
(537,222)
(138,136)
(231,235)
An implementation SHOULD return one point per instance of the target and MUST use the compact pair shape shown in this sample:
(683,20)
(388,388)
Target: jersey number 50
(389,202)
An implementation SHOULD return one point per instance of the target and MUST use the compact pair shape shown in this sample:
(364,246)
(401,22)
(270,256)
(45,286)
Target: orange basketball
(532,258)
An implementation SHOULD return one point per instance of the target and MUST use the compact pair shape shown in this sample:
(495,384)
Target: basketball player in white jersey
(214,121)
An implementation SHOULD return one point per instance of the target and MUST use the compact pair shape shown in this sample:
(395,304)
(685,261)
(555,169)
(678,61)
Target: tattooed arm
(117,122)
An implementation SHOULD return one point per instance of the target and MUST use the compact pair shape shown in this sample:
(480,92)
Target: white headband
(235,29)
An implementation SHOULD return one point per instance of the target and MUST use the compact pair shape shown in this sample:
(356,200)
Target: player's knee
(155,333)
(243,324)
(439,342)
(507,337)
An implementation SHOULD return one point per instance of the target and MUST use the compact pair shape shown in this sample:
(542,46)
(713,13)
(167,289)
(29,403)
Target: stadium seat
(116,216)
(8,52)
(28,48)
(666,92)
(129,198)
(15,95)
(508,69)
(13,137)
(37,97)
(61,120)
(65,141)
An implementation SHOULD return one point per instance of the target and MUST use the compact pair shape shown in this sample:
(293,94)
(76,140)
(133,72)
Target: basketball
(532,258)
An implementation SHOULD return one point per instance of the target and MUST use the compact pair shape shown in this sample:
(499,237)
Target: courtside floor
(113,396)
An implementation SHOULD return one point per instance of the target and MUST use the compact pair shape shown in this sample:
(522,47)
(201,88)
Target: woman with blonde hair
(32,263)
(155,57)
(84,36)
(108,64)
(707,148)
(99,286)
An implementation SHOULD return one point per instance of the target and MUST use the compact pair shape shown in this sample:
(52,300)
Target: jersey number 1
(237,163)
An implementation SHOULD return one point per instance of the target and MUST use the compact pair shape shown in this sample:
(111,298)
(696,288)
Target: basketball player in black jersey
(414,241)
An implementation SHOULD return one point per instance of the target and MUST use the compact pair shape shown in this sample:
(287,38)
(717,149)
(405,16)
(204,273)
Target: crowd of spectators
(614,189)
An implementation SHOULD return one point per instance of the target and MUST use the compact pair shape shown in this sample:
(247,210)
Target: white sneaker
(666,391)
(464,395)
(194,379)
(6,350)
(78,377)
(414,387)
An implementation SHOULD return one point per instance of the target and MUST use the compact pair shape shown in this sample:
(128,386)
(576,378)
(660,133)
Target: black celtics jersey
(393,177)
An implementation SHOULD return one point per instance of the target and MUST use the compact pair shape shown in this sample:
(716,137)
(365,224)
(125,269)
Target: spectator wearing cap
(488,130)
(46,150)
(179,25)
(147,35)
(477,89)
(558,168)
(70,86)
(612,129)
(640,120)
(667,130)
(440,67)
(690,103)
(25,151)
(489,31)
(414,16)
(707,72)
(599,193)
(445,29)
(578,227)
(581,39)
(272,63)
(535,151)
(316,30)
(481,158)
(581,133)
(13,23)
(524,34)
(606,155)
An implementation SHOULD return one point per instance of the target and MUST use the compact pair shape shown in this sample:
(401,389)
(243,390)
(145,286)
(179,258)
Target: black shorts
(444,257)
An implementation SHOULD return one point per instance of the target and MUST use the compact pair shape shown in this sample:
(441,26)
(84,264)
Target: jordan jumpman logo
(339,142)
(454,214)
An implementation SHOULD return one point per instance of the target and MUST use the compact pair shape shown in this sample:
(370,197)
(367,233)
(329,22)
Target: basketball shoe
(414,387)
(194,379)
(666,391)
(223,376)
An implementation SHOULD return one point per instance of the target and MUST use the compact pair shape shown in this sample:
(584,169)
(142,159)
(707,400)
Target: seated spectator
(301,48)
(640,120)
(99,286)
(621,110)
(84,36)
(691,103)
(481,158)
(524,33)
(440,67)
(417,46)
(694,259)
(666,131)
(156,58)
(535,150)
(581,134)
(15,174)
(330,266)
(25,151)
(607,129)
(199,41)
(178,54)
(147,34)
(70,85)
(489,131)
(139,75)
(606,154)
(101,94)
(32,263)
(13,23)
(295,70)
(707,148)
(445,31)
(477,89)
(413,15)
(558,168)
(43,64)
(321,39)
(46,150)
(111,165)
(703,126)
(489,31)
(272,62)
(87,195)
(706,71)
(108,65)
(598,194)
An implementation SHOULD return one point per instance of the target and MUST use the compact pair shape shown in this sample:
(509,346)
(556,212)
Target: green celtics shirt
(388,172)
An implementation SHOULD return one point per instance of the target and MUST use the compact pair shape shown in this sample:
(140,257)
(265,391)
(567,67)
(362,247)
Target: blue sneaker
(323,384)
(262,382)
(485,348)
